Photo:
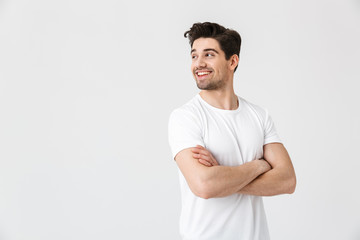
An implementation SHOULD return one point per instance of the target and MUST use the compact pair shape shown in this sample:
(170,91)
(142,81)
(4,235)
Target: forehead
(201,44)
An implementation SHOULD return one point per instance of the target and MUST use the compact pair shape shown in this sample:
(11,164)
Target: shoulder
(265,120)
(191,109)
(256,109)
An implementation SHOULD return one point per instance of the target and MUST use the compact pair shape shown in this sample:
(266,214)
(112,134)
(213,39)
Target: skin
(217,181)
(207,56)
(279,179)
(272,175)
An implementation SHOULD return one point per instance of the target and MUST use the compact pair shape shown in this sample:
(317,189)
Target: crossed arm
(272,175)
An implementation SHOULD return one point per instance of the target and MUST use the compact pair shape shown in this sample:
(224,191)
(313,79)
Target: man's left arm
(280,179)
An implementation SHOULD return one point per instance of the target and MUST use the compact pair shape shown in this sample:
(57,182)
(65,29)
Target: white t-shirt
(233,137)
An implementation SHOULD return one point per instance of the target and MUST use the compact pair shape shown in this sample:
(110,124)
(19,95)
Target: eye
(193,56)
(209,55)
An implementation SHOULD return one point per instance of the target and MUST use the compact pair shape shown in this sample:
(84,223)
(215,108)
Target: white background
(86,88)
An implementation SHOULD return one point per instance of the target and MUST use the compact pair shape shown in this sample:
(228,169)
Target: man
(227,149)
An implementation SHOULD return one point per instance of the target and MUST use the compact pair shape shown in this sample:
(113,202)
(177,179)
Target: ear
(233,61)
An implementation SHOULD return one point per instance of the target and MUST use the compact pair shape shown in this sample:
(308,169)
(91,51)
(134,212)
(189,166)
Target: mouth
(202,73)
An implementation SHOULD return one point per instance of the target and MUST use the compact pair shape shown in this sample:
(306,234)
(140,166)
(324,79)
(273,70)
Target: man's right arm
(217,181)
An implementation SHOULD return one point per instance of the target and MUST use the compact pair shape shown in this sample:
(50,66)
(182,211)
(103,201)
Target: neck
(223,98)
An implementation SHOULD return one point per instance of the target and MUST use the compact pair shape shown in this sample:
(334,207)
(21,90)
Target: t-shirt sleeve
(270,134)
(184,131)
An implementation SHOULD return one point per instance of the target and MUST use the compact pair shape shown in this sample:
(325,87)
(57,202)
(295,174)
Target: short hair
(228,39)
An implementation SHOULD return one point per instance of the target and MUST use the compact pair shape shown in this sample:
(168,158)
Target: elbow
(203,189)
(291,185)
(203,195)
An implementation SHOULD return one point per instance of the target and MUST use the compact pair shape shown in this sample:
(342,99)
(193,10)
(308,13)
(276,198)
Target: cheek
(192,67)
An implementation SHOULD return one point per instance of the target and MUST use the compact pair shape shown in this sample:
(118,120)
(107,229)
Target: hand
(204,156)
(265,164)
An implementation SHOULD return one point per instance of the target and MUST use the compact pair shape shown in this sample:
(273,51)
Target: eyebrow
(205,50)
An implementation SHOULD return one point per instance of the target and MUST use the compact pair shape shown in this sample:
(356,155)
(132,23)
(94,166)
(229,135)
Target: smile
(202,73)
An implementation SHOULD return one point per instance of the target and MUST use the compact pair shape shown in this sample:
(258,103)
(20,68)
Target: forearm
(273,182)
(221,181)
(280,179)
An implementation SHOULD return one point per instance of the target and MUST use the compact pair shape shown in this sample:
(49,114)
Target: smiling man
(226,148)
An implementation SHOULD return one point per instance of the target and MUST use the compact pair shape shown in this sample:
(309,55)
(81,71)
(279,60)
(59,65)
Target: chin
(210,86)
(202,86)
(207,87)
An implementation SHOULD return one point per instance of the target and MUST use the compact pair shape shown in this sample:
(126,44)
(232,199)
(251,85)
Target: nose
(200,62)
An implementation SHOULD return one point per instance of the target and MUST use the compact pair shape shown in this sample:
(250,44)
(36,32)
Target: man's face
(209,65)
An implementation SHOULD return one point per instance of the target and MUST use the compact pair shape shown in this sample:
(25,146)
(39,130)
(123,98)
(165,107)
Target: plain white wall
(86,88)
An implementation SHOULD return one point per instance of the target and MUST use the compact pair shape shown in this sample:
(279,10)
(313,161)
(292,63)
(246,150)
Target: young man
(227,149)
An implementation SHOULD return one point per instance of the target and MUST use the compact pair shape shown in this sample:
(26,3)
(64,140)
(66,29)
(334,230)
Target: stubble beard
(211,85)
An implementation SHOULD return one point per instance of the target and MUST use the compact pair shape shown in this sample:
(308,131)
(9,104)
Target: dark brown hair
(228,39)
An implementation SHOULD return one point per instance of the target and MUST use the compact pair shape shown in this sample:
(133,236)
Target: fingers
(196,149)
(200,151)
(206,163)
(214,162)
(205,157)
(199,147)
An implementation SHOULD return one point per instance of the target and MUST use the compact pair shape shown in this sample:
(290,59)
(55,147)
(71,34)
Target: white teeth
(203,73)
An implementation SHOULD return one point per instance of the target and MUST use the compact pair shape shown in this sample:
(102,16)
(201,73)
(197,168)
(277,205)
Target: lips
(202,73)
